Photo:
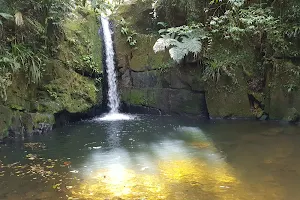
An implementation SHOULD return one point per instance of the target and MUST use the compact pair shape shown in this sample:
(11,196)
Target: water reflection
(163,170)
(114,134)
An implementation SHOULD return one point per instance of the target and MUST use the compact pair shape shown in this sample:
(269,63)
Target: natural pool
(155,157)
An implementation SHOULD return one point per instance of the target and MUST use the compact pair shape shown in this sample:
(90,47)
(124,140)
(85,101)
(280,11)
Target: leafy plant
(235,24)
(130,34)
(89,63)
(102,6)
(293,32)
(180,41)
(5,82)
(31,62)
(8,66)
(237,3)
(166,9)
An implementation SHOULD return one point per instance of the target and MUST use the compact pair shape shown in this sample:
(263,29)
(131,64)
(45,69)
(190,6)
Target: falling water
(113,97)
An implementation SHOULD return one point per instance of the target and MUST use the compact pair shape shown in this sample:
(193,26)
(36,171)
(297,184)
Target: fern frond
(178,53)
(19,19)
(193,45)
(164,42)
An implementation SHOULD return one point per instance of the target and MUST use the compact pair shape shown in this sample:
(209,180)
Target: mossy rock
(149,79)
(187,102)
(32,121)
(284,90)
(137,96)
(82,48)
(137,14)
(20,93)
(141,57)
(38,118)
(122,48)
(178,101)
(227,99)
(68,91)
(292,115)
(6,115)
(186,77)
(224,103)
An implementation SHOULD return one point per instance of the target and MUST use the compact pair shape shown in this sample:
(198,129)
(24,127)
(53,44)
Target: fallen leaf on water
(67,163)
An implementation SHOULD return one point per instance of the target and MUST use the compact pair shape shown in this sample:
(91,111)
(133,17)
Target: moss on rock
(284,89)
(227,99)
(20,93)
(141,57)
(137,14)
(66,84)
(82,48)
(168,100)
(68,91)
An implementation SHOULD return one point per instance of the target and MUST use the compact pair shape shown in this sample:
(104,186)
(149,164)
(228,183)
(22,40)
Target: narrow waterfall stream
(113,96)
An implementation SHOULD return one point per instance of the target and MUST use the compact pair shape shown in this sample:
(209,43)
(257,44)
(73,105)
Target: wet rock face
(166,100)
(18,124)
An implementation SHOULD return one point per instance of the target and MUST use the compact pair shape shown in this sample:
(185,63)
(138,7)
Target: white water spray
(113,97)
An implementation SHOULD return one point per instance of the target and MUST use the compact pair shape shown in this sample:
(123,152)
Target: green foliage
(222,60)
(81,47)
(90,64)
(236,3)
(5,16)
(31,62)
(166,9)
(181,41)
(235,24)
(8,66)
(129,33)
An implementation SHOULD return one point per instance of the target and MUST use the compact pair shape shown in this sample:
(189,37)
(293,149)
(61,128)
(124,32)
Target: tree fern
(180,42)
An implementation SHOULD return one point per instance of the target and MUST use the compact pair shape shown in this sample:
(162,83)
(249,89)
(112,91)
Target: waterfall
(113,97)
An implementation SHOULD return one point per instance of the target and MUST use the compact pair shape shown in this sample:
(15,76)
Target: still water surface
(153,158)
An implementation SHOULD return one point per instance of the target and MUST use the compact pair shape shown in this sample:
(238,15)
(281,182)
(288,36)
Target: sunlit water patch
(154,158)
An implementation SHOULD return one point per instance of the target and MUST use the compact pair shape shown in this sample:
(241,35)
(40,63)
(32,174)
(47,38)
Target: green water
(155,157)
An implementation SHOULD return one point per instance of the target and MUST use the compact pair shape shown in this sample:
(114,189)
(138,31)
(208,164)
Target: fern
(8,65)
(180,41)
(30,61)
(19,19)
(237,3)
(5,82)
